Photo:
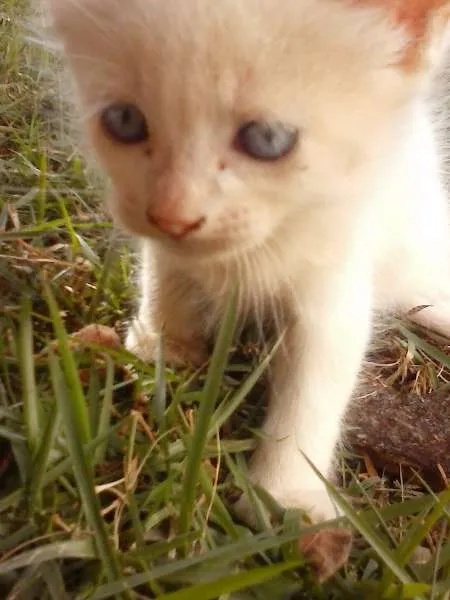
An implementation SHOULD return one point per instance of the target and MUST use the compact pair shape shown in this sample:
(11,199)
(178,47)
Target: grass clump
(118,478)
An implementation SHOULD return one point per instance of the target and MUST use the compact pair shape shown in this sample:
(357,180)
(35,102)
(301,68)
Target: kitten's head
(220,122)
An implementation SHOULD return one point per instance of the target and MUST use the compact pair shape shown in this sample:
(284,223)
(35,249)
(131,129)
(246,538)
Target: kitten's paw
(143,342)
(288,478)
(316,503)
(326,549)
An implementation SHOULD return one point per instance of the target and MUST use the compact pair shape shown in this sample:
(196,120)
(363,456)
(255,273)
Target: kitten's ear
(426,23)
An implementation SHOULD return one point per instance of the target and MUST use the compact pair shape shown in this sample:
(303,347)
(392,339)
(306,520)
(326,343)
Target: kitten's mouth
(195,246)
(205,250)
(202,249)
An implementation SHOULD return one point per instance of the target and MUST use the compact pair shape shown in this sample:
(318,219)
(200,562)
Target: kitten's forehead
(162,46)
(237,30)
(219,50)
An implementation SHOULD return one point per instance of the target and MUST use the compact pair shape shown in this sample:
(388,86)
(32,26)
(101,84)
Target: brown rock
(398,428)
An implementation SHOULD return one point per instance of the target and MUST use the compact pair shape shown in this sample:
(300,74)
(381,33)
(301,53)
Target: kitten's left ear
(426,23)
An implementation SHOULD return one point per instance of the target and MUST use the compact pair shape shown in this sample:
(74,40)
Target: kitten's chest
(264,292)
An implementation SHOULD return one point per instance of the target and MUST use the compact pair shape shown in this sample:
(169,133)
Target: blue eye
(266,140)
(124,123)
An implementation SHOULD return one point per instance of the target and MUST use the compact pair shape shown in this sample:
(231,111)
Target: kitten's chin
(204,251)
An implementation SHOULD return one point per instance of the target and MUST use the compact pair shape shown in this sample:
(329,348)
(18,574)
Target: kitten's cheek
(126,213)
(119,208)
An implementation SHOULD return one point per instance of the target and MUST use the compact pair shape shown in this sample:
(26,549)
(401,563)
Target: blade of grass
(82,468)
(51,574)
(130,477)
(247,546)
(41,197)
(152,552)
(405,591)
(419,531)
(73,549)
(428,348)
(374,509)
(31,232)
(21,453)
(41,461)
(28,587)
(104,276)
(80,414)
(29,392)
(438,554)
(232,583)
(66,464)
(407,508)
(18,537)
(224,411)
(209,399)
(67,221)
(105,411)
(222,515)
(91,256)
(93,396)
(160,392)
(11,435)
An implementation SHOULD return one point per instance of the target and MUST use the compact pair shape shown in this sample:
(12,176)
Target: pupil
(269,135)
(127,116)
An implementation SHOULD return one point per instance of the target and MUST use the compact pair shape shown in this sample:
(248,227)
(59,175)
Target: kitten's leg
(169,306)
(417,285)
(417,269)
(418,282)
(313,379)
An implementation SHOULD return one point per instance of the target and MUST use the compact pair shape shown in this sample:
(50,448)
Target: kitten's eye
(125,123)
(266,140)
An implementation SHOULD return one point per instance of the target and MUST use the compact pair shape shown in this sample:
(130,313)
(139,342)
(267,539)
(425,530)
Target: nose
(176,228)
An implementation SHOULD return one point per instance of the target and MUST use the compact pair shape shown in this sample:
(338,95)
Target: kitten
(288,147)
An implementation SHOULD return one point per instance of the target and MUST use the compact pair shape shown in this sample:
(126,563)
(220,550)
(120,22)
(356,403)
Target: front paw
(316,503)
(326,549)
(143,342)
(288,477)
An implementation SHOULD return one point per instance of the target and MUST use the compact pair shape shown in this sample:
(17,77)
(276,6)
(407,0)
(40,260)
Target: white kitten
(286,146)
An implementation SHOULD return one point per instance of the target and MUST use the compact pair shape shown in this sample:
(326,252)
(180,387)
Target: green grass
(113,482)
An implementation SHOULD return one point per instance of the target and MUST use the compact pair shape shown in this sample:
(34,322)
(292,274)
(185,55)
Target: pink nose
(175,228)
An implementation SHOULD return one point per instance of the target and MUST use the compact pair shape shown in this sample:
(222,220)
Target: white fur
(355,219)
